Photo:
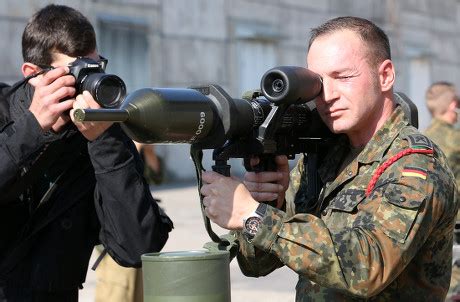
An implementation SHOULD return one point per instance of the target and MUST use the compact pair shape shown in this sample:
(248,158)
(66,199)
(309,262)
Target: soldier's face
(351,98)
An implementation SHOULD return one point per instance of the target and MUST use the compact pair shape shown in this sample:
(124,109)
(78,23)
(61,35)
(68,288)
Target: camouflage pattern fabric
(394,245)
(454,289)
(448,139)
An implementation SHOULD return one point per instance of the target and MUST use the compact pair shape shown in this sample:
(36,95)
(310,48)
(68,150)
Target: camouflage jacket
(393,245)
(448,139)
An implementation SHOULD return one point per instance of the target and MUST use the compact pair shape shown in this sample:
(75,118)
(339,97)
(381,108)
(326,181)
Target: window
(419,81)
(255,52)
(124,43)
(254,59)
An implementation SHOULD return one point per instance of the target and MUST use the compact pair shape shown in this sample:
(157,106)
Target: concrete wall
(197,41)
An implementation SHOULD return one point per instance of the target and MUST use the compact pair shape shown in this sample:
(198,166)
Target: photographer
(382,226)
(65,187)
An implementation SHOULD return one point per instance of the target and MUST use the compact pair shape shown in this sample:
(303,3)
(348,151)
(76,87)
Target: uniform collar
(374,150)
(439,122)
(378,145)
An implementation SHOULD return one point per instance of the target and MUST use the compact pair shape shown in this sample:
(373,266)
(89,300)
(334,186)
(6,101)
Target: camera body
(107,89)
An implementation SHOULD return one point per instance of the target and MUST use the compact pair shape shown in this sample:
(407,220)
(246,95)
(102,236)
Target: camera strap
(48,156)
(4,105)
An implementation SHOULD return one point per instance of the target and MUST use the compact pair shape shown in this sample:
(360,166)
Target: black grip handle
(222,167)
(266,163)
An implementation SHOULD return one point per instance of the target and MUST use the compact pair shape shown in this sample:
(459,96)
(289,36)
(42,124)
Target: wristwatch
(251,224)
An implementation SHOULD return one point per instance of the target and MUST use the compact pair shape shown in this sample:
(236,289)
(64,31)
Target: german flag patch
(414,172)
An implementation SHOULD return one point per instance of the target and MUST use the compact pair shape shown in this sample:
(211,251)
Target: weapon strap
(197,157)
(309,201)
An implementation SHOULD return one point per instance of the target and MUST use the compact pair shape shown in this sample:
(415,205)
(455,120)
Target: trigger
(247,164)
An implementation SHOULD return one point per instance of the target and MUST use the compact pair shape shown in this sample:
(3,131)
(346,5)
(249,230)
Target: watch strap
(258,214)
(261,209)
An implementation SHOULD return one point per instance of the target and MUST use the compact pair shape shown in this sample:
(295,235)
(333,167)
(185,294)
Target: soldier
(383,222)
(443,103)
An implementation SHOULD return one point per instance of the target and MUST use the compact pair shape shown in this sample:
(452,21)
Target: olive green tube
(188,276)
(163,115)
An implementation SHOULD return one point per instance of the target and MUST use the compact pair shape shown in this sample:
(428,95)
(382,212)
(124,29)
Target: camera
(107,89)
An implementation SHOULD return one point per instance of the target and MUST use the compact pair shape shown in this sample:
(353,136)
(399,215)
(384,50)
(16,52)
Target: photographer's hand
(90,130)
(268,186)
(47,105)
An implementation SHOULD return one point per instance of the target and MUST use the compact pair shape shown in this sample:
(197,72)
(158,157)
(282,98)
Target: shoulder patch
(418,141)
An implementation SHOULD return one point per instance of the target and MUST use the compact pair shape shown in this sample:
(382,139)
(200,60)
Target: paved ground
(182,205)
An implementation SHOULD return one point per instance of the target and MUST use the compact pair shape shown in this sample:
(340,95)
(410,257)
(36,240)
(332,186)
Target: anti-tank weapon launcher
(208,118)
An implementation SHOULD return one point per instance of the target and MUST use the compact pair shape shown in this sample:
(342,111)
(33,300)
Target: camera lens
(107,89)
(111,91)
(278,85)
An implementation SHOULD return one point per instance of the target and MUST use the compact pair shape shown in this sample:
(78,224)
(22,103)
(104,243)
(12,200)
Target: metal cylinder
(186,276)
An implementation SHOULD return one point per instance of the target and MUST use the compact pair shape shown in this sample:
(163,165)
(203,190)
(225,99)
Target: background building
(179,43)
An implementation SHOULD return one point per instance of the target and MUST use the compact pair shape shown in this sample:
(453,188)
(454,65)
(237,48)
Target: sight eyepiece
(290,85)
(278,85)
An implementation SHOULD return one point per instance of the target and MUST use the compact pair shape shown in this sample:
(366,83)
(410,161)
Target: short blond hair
(439,96)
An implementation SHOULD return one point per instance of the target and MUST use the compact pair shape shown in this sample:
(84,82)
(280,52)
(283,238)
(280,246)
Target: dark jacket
(96,194)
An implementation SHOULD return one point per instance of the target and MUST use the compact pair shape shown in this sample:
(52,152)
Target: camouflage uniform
(394,245)
(448,139)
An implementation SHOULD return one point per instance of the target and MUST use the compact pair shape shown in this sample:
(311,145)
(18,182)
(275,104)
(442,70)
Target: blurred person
(443,103)
(153,163)
(65,186)
(114,282)
(383,222)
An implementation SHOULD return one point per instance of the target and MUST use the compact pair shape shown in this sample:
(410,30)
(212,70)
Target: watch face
(251,225)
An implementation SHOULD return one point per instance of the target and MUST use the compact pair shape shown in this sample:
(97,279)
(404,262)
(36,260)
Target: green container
(186,276)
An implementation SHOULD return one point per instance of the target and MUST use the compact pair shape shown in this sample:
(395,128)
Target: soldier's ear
(453,105)
(386,75)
